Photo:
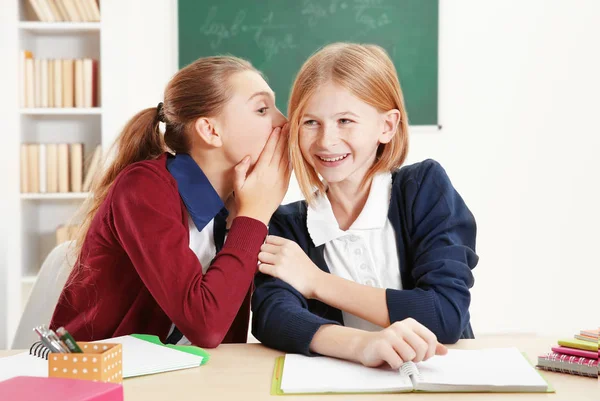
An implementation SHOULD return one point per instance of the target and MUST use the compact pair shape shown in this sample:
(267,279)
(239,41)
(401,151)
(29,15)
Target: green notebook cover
(579,344)
(278,374)
(190,349)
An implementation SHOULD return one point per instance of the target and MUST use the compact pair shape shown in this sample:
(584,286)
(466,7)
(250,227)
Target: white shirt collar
(323,227)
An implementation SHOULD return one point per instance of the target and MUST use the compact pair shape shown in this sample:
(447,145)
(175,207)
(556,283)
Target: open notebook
(142,355)
(487,370)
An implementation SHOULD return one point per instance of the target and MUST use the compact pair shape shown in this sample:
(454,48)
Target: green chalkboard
(277,36)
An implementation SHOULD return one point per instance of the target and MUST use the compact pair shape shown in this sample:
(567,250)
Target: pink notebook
(25,388)
(575,352)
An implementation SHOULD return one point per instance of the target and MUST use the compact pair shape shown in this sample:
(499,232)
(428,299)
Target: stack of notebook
(576,356)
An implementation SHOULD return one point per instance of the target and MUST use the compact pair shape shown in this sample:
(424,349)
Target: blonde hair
(369,74)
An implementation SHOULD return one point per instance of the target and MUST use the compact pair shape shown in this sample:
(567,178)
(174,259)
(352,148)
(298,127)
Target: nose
(279,119)
(328,136)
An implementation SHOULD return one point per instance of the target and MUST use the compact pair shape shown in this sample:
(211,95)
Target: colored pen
(48,341)
(68,339)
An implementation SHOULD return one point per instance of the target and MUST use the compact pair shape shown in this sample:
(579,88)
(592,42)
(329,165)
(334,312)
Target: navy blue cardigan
(435,235)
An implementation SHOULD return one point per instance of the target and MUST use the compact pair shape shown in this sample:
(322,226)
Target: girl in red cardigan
(147,250)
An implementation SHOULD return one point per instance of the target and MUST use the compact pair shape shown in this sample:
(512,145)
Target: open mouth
(333,159)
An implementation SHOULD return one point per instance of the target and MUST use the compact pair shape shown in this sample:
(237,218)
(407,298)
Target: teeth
(335,159)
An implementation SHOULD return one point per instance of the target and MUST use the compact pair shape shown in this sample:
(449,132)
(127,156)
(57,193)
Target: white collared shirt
(203,245)
(366,253)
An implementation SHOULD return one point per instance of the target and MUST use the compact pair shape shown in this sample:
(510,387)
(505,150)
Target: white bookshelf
(64,111)
(55,196)
(135,64)
(34,217)
(42,28)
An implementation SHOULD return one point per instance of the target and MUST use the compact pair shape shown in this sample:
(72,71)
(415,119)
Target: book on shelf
(58,83)
(57,168)
(63,10)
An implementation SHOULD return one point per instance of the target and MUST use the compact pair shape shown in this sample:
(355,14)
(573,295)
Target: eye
(310,123)
(262,111)
(345,121)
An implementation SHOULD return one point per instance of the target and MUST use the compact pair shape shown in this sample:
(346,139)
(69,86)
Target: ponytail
(139,140)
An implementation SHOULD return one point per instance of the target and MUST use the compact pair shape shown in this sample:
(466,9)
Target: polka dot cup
(99,362)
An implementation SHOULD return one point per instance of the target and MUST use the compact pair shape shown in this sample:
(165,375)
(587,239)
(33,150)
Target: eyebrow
(262,93)
(342,113)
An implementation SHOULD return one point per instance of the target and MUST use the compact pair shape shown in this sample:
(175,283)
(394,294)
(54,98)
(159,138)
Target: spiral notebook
(574,365)
(486,370)
(142,355)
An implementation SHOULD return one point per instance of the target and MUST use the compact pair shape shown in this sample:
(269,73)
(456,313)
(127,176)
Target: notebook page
(302,374)
(491,369)
(144,358)
(22,364)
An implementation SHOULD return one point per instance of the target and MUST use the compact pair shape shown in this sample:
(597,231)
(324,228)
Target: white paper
(22,364)
(491,368)
(144,358)
(302,374)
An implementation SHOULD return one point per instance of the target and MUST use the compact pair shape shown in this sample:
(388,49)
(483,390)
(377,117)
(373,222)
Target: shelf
(64,111)
(57,196)
(28,279)
(59,27)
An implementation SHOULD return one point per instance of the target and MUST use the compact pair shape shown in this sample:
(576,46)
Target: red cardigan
(137,273)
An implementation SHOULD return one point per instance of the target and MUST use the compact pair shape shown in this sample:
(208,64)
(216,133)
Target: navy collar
(200,198)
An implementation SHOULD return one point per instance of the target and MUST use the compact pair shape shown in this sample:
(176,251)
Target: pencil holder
(99,362)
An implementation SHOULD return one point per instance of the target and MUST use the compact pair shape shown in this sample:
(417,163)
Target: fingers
(441,349)
(268,258)
(390,355)
(418,345)
(402,348)
(270,147)
(241,169)
(275,240)
(266,268)
(427,335)
(281,148)
(270,248)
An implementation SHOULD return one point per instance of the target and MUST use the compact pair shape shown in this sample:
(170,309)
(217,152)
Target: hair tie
(159,112)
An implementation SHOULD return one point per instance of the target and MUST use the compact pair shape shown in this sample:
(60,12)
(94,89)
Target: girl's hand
(259,193)
(285,260)
(403,341)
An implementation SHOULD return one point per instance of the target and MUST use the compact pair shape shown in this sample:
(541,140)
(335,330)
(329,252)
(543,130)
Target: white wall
(519,82)
(519,85)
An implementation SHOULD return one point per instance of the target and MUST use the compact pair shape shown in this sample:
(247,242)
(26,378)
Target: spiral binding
(39,349)
(411,370)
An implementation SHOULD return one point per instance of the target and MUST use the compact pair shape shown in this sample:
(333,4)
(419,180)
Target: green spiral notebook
(487,370)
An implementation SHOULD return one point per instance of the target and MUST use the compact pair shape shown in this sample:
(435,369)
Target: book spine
(42,168)
(25,169)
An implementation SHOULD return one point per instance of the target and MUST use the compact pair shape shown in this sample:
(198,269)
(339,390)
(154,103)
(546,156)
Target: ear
(204,128)
(391,120)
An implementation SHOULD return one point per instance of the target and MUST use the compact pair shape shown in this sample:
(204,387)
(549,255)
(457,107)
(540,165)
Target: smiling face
(340,134)
(347,118)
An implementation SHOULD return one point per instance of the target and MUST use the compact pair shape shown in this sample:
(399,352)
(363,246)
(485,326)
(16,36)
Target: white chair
(44,294)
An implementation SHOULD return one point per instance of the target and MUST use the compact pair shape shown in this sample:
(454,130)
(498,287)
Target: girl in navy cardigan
(375,266)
